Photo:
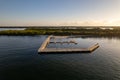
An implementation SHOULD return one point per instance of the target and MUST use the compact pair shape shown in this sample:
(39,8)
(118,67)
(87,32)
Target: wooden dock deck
(45,43)
(43,48)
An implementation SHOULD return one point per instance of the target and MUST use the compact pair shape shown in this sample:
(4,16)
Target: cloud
(83,23)
(62,23)
(113,23)
(92,23)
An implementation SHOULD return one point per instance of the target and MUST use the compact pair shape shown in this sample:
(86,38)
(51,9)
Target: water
(3,29)
(19,60)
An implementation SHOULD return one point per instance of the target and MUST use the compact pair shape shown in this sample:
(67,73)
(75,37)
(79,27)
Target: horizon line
(57,26)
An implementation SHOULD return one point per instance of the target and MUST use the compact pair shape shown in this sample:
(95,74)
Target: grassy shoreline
(36,31)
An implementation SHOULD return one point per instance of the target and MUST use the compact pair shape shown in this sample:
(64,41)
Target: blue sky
(59,12)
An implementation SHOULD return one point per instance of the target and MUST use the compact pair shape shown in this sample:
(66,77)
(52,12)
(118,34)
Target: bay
(19,60)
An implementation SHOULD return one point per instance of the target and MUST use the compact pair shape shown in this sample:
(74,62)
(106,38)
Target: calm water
(3,29)
(19,60)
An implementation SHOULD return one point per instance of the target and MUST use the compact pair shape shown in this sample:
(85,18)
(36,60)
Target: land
(95,31)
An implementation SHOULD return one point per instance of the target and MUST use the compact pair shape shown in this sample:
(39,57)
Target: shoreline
(86,32)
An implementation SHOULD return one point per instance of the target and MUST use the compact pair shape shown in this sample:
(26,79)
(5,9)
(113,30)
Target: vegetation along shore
(65,31)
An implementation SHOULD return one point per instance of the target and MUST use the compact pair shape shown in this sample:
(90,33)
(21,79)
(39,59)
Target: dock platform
(43,49)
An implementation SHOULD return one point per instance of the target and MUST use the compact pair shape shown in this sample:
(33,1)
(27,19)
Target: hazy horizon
(59,13)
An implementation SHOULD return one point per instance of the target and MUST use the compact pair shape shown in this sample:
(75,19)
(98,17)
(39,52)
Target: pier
(71,41)
(45,43)
(43,48)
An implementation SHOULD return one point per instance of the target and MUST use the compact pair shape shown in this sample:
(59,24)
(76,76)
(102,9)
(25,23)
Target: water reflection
(4,29)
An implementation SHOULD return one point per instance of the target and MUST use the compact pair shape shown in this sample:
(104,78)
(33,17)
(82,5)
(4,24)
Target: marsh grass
(39,31)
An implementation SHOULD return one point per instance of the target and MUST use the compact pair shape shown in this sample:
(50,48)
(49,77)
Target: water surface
(4,29)
(19,60)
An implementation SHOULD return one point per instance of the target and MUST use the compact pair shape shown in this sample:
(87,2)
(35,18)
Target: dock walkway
(43,48)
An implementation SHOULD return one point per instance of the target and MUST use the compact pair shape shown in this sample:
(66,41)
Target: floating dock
(43,48)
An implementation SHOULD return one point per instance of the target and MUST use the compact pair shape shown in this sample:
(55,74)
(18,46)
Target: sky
(59,12)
